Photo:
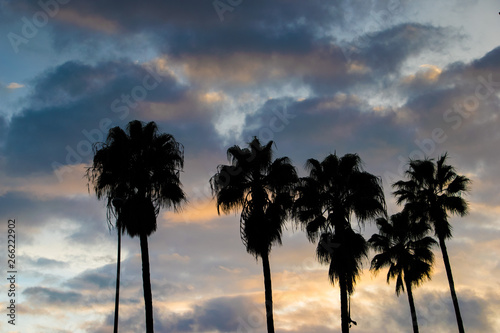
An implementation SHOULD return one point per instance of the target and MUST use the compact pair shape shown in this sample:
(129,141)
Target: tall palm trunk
(146,283)
(344,310)
(117,295)
(268,292)
(447,265)
(412,306)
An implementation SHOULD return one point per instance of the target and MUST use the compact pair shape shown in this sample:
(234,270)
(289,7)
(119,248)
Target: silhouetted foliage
(434,190)
(141,166)
(263,190)
(335,190)
(404,247)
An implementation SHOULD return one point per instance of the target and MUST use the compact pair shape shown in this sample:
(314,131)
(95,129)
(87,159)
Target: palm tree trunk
(412,307)
(117,295)
(452,284)
(146,283)
(268,292)
(344,312)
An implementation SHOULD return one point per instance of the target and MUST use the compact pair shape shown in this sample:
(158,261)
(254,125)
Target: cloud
(423,78)
(197,212)
(438,312)
(45,187)
(41,263)
(220,314)
(14,85)
(50,296)
(92,279)
(179,29)
(386,50)
(91,22)
(80,103)
(14,206)
(334,123)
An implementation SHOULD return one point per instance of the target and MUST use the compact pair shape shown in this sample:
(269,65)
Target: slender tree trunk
(412,307)
(452,284)
(268,292)
(117,295)
(344,312)
(146,283)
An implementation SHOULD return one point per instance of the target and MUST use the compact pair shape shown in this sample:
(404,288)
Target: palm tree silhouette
(404,248)
(263,190)
(431,192)
(335,190)
(142,167)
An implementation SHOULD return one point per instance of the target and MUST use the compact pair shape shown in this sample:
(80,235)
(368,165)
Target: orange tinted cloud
(198,212)
(93,22)
(46,187)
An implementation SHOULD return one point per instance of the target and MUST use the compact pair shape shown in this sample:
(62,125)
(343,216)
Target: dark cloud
(436,311)
(42,213)
(342,123)
(74,80)
(74,105)
(463,104)
(103,278)
(489,61)
(382,308)
(50,296)
(41,263)
(223,314)
(197,25)
(3,130)
(386,50)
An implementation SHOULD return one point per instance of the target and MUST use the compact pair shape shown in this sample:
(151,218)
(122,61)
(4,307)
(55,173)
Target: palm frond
(262,188)
(138,164)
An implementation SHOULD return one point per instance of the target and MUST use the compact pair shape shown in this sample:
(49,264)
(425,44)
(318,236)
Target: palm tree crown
(141,167)
(261,188)
(434,190)
(404,248)
(335,189)
(141,163)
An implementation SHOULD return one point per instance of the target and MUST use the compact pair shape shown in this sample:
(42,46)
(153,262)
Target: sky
(388,80)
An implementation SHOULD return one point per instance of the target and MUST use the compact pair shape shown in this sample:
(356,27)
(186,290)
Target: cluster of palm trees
(137,172)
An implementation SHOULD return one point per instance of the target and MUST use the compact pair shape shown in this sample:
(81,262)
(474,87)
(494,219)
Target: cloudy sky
(388,80)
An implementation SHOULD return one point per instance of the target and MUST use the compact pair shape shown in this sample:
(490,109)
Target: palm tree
(335,190)
(142,167)
(433,191)
(263,190)
(404,248)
